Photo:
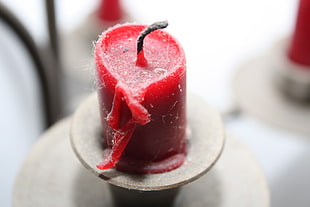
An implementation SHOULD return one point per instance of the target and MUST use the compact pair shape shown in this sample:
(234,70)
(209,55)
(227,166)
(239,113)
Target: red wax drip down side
(142,106)
(110,10)
(299,48)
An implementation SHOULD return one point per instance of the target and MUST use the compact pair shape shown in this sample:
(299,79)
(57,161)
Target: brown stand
(52,176)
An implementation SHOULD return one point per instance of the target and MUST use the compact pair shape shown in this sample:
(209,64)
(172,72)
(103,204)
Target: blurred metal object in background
(40,67)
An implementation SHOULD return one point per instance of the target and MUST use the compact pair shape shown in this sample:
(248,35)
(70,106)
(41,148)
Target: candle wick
(148,30)
(140,54)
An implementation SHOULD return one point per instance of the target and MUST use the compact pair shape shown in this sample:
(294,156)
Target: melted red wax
(299,49)
(142,105)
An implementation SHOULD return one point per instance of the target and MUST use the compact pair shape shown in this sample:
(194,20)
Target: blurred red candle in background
(299,48)
(110,10)
(142,101)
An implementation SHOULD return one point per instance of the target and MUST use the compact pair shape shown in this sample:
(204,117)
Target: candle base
(270,89)
(205,143)
(51,175)
(293,79)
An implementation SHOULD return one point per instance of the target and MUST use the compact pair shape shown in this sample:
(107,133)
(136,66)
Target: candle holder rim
(257,87)
(286,67)
(191,170)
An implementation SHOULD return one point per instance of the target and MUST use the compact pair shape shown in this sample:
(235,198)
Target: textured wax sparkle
(299,48)
(143,108)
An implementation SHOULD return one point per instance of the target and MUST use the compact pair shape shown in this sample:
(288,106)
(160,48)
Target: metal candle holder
(52,176)
(86,141)
(275,90)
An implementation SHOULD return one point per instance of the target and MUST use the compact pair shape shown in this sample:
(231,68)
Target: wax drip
(123,134)
(141,60)
(120,140)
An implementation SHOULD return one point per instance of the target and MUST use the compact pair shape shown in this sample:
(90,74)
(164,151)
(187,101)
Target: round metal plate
(205,137)
(258,94)
(52,176)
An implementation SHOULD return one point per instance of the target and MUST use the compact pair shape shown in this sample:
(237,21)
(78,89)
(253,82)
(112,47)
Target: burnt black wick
(148,30)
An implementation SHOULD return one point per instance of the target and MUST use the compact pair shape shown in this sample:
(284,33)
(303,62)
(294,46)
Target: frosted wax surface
(120,58)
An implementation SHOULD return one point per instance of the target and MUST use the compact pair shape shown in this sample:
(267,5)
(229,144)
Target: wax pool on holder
(142,106)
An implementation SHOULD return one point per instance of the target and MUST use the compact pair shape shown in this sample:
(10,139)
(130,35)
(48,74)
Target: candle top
(116,50)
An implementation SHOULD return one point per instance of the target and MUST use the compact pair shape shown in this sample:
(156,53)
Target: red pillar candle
(299,49)
(142,99)
(110,10)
